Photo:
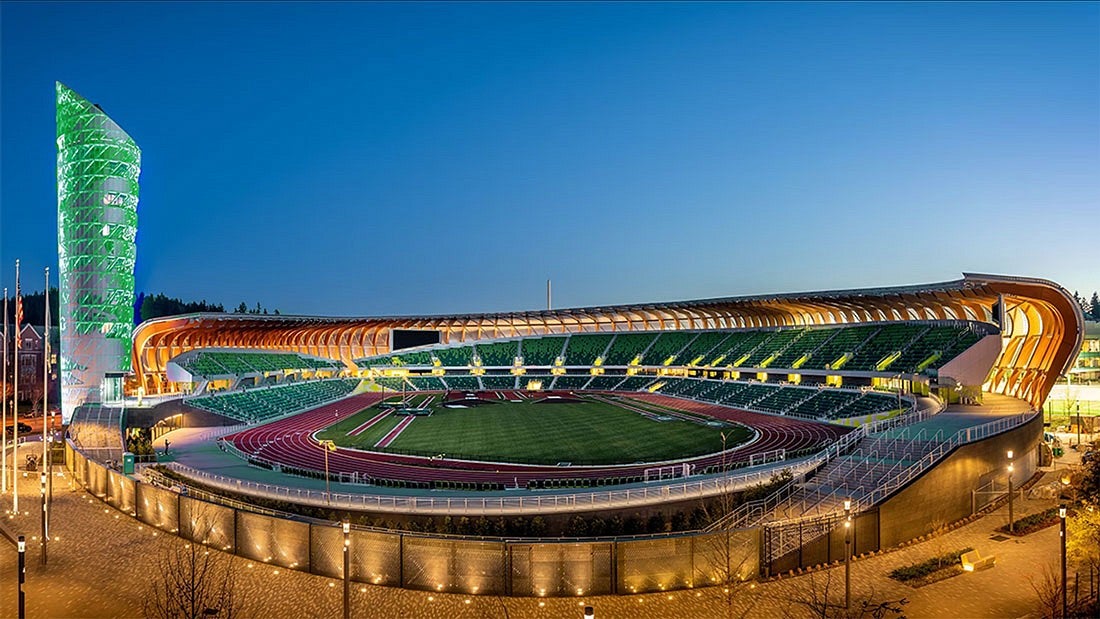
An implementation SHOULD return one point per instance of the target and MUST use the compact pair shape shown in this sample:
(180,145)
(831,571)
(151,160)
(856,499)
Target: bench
(973,561)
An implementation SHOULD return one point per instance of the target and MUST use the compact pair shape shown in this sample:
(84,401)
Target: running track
(288,442)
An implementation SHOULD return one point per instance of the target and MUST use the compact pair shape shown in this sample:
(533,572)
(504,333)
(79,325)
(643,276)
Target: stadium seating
(888,340)
(846,340)
(211,363)
(498,353)
(604,383)
(541,351)
(427,383)
(256,405)
(770,347)
(455,357)
(783,398)
(737,346)
(462,383)
(668,346)
(571,382)
(701,350)
(627,346)
(585,349)
(636,383)
(499,382)
(810,340)
(825,403)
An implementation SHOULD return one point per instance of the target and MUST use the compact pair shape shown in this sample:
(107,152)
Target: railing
(496,504)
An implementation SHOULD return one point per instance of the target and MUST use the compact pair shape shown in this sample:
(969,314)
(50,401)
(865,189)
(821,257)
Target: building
(97,195)
(31,348)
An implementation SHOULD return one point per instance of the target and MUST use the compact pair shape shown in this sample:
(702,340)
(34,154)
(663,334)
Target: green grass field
(586,432)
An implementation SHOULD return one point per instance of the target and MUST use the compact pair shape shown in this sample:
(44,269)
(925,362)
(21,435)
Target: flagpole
(4,460)
(45,472)
(15,401)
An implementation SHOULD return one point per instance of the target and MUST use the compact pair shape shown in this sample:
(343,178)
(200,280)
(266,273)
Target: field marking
(393,434)
(373,420)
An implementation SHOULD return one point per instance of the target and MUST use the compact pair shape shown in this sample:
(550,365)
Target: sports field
(582,432)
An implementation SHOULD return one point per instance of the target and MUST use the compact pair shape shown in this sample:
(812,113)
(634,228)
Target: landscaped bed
(932,570)
(1034,522)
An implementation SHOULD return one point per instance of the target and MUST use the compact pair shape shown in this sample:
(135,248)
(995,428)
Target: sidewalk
(104,561)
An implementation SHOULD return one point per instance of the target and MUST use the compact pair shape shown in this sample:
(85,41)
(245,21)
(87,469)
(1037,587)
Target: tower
(97,195)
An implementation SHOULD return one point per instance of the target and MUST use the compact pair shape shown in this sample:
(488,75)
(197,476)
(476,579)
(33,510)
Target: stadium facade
(1041,329)
(98,166)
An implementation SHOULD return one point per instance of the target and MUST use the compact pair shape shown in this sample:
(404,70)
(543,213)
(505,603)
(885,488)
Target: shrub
(924,568)
(1032,523)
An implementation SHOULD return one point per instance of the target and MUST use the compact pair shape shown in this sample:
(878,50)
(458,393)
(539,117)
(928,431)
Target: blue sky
(364,159)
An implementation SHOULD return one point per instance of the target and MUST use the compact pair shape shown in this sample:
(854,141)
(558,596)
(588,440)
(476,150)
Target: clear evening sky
(362,159)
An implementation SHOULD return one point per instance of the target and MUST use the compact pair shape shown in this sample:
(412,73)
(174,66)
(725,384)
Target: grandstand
(498,354)
(205,364)
(260,404)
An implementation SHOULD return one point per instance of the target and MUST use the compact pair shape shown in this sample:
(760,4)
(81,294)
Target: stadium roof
(1043,325)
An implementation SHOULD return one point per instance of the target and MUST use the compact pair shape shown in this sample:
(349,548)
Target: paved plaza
(103,561)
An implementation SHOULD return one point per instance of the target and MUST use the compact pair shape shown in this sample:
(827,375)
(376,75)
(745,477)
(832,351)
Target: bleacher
(825,403)
(627,346)
(845,340)
(782,399)
(773,345)
(216,363)
(667,347)
(584,349)
(541,351)
(462,383)
(570,381)
(391,383)
(890,339)
(737,346)
(636,383)
(499,382)
(455,357)
(604,383)
(259,404)
(498,353)
(811,339)
(427,383)
(701,350)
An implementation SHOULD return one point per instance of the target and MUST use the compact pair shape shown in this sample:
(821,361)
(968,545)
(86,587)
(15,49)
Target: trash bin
(127,463)
(1059,452)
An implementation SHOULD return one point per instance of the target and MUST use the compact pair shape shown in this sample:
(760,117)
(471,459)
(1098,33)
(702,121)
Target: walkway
(104,561)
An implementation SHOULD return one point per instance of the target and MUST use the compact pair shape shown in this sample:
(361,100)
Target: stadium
(563,452)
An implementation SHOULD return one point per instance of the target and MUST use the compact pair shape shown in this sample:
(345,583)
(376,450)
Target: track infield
(585,432)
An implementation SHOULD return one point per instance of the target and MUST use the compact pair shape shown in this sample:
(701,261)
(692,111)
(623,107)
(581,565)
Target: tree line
(1089,307)
(146,307)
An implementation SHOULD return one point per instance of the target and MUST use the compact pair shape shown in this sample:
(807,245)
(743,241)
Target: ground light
(848,553)
(1011,523)
(1062,534)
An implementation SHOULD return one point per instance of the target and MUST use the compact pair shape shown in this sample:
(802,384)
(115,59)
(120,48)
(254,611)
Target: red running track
(288,442)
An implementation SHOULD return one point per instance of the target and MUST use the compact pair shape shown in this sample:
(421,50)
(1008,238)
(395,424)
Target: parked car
(23,429)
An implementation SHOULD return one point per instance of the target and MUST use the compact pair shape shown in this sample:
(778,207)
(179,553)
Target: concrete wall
(942,495)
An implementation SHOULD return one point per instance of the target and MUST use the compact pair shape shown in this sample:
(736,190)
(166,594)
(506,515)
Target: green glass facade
(97,195)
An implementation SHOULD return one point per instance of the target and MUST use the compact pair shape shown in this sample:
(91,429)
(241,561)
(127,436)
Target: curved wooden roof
(1042,333)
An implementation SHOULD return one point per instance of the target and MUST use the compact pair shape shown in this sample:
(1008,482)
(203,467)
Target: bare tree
(814,596)
(191,580)
(1047,586)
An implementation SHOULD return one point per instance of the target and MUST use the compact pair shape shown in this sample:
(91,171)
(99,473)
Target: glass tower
(97,195)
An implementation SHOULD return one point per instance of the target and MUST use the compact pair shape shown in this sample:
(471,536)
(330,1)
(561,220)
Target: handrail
(494,504)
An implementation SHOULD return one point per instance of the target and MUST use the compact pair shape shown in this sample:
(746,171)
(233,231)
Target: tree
(815,596)
(1094,306)
(191,581)
(241,309)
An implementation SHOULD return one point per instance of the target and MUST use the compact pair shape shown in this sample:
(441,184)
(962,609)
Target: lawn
(585,432)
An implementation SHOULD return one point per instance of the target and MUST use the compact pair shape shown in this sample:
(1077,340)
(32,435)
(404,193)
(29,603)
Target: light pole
(22,546)
(347,568)
(327,446)
(848,554)
(1062,517)
(1011,522)
(45,532)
